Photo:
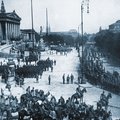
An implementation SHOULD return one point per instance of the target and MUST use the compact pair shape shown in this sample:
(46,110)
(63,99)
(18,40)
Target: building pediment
(13,15)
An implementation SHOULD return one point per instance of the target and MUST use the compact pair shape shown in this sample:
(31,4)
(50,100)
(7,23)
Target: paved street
(76,60)
(65,64)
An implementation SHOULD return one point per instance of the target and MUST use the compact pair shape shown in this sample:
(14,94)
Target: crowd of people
(68,79)
(38,105)
(95,72)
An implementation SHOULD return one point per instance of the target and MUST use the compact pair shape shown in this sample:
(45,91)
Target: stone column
(0,31)
(18,29)
(15,30)
(10,30)
(6,30)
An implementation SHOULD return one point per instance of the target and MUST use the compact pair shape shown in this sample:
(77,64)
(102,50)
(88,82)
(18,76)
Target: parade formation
(96,73)
(44,77)
(37,104)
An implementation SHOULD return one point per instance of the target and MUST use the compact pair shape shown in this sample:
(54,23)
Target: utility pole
(84,2)
(46,22)
(32,22)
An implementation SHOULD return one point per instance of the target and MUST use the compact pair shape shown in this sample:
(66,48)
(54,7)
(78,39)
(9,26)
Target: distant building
(9,24)
(27,34)
(27,39)
(73,31)
(100,29)
(115,27)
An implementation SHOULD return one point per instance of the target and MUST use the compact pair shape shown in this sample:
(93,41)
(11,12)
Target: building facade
(9,24)
(115,27)
(28,34)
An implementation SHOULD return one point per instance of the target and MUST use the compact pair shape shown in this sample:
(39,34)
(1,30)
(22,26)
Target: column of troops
(95,72)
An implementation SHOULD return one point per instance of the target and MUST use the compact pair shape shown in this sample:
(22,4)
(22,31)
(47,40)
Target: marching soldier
(49,79)
(63,78)
(68,79)
(79,80)
(72,78)
(37,78)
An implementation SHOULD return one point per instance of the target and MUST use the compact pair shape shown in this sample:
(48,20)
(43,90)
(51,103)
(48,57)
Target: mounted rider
(61,101)
(103,99)
(103,96)
(78,90)
(28,90)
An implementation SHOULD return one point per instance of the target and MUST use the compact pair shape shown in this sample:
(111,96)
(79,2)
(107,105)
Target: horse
(104,102)
(5,112)
(25,98)
(61,111)
(23,113)
(79,95)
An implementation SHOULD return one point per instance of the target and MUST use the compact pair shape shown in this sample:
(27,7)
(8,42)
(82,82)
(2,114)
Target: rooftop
(9,15)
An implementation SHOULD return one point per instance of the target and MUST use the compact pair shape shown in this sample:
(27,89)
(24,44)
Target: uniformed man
(72,78)
(102,96)
(63,78)
(28,90)
(49,79)
(68,79)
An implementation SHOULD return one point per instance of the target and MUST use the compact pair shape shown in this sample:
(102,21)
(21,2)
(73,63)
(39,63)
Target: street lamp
(84,2)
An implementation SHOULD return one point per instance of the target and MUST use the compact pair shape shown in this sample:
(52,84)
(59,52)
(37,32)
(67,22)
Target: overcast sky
(65,14)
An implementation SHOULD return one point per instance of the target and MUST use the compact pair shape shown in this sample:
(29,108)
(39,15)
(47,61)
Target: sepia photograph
(59,60)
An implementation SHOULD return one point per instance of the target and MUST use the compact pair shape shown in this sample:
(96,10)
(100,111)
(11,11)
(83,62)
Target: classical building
(115,27)
(27,34)
(9,24)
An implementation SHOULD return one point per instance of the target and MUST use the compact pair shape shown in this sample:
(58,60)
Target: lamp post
(32,22)
(84,2)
